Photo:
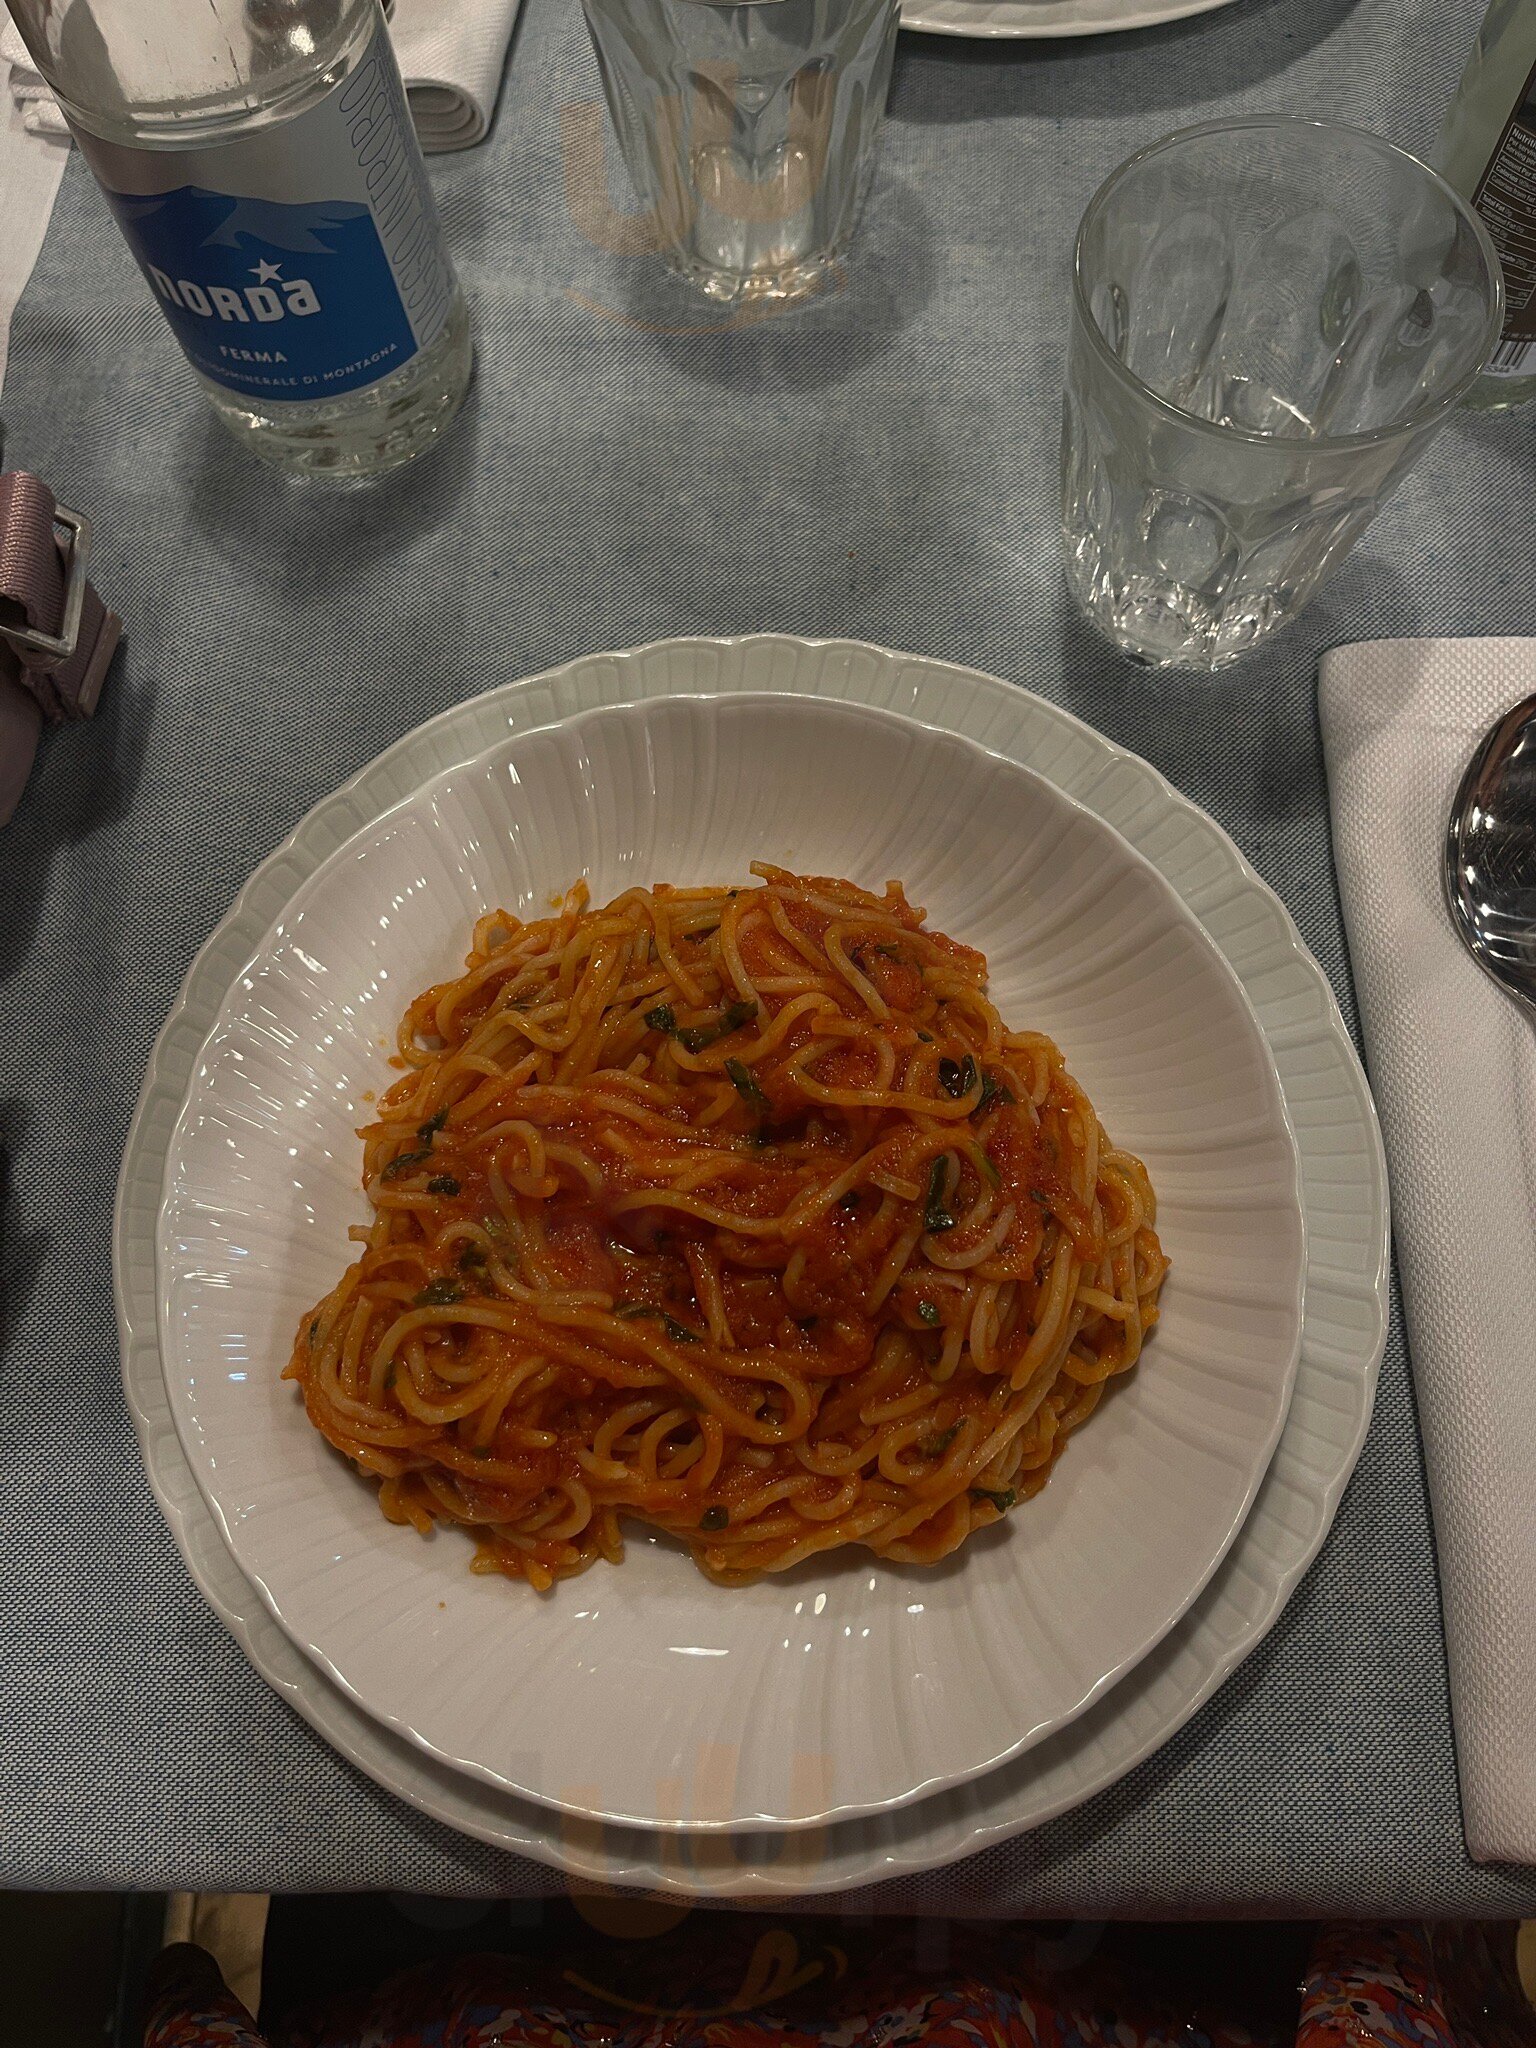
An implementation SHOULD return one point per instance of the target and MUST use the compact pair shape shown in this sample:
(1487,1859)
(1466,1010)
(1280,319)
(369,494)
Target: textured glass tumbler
(1270,319)
(750,131)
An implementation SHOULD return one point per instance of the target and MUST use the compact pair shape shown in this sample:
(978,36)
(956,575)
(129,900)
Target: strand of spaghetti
(706,1212)
(854,975)
(603,974)
(341,1366)
(578,1515)
(814,1002)
(438,1412)
(532,1139)
(665,952)
(943,1455)
(972,1255)
(649,1451)
(859,1527)
(730,948)
(490,1415)
(947,1364)
(979,1325)
(803,892)
(841,1503)
(916,1400)
(943,1108)
(705,1269)
(1106,1304)
(621,1421)
(613,1089)
(896,1262)
(797,939)
(395,1502)
(809,1207)
(703,1163)
(585,1169)
(829,1459)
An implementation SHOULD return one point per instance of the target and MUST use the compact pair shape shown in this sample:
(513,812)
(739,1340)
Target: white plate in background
(1038,18)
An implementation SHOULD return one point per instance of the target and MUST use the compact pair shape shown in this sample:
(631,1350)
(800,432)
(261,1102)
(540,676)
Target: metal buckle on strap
(28,639)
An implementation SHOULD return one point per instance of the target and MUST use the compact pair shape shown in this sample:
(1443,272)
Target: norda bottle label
(274,291)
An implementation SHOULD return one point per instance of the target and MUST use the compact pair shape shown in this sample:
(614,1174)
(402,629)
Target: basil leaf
(429,1130)
(442,1184)
(440,1293)
(1002,1501)
(714,1519)
(936,1445)
(628,1311)
(935,1215)
(694,1037)
(957,1077)
(402,1163)
(929,1311)
(661,1018)
(992,1090)
(745,1082)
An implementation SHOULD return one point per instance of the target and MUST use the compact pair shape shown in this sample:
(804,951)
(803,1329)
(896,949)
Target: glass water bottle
(1487,150)
(260,159)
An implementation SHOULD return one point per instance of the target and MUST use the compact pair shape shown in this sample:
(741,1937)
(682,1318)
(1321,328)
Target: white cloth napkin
(1453,1063)
(452,54)
(31,166)
(35,103)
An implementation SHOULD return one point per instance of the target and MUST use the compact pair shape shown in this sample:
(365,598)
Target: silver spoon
(1490,855)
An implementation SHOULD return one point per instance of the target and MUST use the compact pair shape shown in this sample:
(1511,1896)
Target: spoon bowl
(1490,855)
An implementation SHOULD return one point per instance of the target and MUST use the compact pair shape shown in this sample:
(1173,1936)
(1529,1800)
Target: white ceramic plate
(1033,18)
(1344,1328)
(843,1687)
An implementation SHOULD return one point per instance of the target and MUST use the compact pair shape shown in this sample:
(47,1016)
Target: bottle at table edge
(1487,150)
(261,162)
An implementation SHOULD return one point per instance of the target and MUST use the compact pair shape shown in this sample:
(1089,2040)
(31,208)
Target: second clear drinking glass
(750,130)
(1270,318)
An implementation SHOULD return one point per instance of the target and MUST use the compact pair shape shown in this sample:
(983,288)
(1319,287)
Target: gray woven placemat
(881,464)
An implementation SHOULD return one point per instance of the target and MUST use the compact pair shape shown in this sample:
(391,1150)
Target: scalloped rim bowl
(641,1694)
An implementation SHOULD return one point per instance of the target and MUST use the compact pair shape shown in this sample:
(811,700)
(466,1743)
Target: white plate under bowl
(1037,18)
(643,1694)
(1344,1199)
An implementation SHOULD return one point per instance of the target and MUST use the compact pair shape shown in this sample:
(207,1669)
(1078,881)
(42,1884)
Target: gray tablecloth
(880,464)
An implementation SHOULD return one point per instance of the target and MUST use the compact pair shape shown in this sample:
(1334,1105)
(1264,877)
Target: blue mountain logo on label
(275,301)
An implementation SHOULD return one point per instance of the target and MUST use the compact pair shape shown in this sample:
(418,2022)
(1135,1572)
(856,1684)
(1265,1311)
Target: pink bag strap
(56,636)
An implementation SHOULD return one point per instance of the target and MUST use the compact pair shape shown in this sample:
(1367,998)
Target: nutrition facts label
(1506,199)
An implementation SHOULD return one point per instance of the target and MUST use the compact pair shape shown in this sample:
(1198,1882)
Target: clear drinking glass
(1270,319)
(750,130)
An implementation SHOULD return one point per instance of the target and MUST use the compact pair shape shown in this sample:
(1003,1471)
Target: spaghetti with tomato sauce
(738,1212)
